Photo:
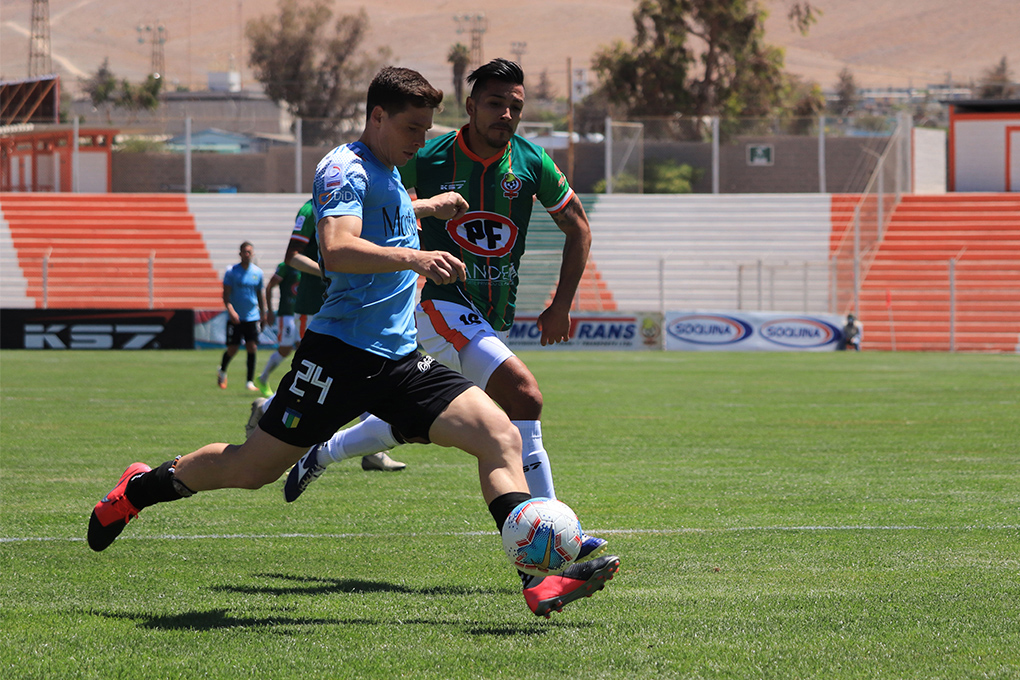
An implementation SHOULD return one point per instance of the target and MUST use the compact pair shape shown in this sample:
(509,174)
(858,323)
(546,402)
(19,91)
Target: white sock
(274,360)
(537,471)
(369,436)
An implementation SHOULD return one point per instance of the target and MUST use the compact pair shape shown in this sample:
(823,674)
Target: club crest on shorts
(511,185)
(291,419)
(425,363)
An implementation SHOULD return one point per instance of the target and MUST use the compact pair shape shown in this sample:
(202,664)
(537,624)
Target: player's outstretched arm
(554,322)
(343,250)
(445,206)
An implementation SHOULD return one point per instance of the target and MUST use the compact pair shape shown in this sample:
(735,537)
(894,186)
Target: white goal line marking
(624,532)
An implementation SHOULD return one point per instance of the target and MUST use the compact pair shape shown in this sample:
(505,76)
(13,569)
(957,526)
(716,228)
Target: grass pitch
(777,516)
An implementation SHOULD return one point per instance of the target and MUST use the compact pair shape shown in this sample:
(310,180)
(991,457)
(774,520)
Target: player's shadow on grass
(314,585)
(221,619)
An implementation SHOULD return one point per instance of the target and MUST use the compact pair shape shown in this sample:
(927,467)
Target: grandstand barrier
(948,265)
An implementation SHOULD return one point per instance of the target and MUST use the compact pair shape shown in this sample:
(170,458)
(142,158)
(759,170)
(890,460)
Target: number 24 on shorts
(311,374)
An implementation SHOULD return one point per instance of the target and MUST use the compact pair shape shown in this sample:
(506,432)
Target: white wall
(980,152)
(929,161)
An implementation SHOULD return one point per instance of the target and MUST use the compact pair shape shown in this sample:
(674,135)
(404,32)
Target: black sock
(156,486)
(251,366)
(225,361)
(500,507)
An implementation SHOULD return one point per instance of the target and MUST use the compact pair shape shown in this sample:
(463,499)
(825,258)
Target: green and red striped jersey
(490,238)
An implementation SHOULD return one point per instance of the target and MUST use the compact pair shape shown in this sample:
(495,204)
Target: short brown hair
(395,89)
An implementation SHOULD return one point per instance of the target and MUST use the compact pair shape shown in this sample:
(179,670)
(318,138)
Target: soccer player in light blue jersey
(360,352)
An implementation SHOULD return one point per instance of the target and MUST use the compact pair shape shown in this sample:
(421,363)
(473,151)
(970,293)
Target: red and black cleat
(112,514)
(547,594)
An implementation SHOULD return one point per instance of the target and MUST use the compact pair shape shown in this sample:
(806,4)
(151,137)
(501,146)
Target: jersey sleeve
(553,190)
(304,221)
(340,187)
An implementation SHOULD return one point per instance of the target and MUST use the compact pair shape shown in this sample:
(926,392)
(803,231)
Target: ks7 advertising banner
(97,329)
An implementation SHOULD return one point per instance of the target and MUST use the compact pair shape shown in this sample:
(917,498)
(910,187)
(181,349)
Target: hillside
(884,43)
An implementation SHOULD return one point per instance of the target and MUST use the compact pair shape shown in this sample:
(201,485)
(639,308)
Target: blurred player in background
(286,278)
(465,324)
(245,300)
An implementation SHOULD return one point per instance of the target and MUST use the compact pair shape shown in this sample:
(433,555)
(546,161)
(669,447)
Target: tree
(136,98)
(316,71)
(106,91)
(997,83)
(660,177)
(101,87)
(544,91)
(460,57)
(697,58)
(847,93)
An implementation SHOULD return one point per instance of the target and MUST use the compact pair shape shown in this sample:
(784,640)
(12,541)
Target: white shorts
(460,338)
(286,331)
(290,329)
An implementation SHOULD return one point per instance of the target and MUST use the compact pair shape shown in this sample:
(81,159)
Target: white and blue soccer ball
(542,536)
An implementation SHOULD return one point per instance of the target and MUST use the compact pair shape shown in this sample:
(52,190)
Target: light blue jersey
(245,285)
(374,312)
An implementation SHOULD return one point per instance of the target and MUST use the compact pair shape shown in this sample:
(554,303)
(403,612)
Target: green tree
(106,91)
(696,57)
(660,177)
(314,69)
(459,57)
(544,90)
(101,88)
(141,97)
(847,93)
(997,83)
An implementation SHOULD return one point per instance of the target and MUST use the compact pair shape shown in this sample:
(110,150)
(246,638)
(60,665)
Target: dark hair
(245,244)
(503,70)
(395,89)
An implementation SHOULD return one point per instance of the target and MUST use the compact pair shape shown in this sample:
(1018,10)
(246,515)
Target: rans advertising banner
(593,330)
(753,331)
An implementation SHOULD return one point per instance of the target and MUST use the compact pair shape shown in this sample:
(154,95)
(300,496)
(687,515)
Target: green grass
(777,516)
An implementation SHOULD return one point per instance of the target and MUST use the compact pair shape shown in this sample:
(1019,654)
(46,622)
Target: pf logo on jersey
(511,185)
(483,233)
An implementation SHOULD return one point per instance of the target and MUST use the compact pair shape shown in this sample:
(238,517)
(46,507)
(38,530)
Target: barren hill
(885,43)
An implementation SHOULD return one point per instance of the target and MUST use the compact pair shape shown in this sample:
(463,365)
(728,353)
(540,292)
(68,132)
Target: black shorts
(331,383)
(244,332)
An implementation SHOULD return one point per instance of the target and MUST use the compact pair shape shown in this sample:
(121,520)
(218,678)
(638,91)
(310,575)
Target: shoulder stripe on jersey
(562,204)
(300,238)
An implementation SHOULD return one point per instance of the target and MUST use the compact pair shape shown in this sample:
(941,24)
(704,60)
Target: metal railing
(864,231)
(140,289)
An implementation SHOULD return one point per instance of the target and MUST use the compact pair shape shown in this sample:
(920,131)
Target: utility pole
(159,35)
(476,25)
(39,60)
(518,49)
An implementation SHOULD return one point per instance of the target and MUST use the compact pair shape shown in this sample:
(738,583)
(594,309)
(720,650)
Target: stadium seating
(981,232)
(750,251)
(685,252)
(99,249)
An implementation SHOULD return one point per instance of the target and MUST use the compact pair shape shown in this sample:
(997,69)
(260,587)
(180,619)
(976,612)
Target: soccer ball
(542,536)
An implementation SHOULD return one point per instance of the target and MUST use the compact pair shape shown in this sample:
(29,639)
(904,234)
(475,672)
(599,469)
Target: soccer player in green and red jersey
(465,324)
